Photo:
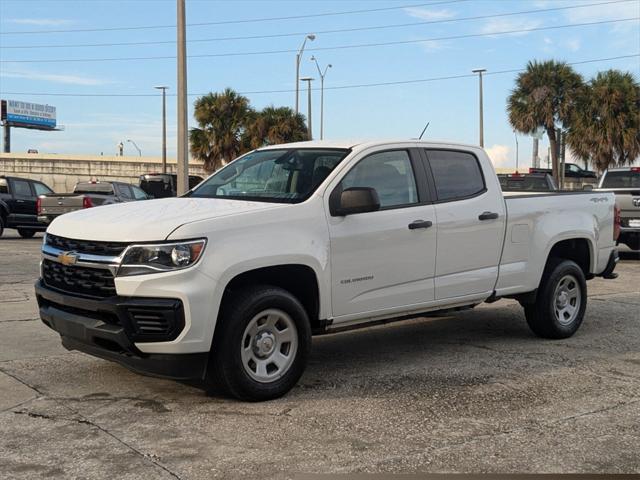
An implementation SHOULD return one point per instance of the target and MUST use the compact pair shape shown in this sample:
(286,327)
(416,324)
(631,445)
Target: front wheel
(561,302)
(24,233)
(261,345)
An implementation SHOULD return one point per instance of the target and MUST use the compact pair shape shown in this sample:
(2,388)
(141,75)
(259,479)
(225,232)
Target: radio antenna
(424,130)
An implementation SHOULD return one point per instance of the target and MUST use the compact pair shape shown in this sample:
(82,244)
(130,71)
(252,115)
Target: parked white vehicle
(228,283)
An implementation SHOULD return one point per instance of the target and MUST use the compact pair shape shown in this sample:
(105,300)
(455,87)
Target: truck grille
(86,246)
(93,282)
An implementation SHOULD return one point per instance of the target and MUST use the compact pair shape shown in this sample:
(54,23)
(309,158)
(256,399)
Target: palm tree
(222,119)
(545,96)
(275,125)
(605,129)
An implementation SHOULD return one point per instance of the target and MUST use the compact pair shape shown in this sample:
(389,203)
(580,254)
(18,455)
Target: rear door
(378,262)
(471,217)
(23,203)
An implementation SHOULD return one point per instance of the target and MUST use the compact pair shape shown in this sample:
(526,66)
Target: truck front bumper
(110,328)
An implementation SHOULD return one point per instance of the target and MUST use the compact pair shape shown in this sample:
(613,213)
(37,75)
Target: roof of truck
(351,143)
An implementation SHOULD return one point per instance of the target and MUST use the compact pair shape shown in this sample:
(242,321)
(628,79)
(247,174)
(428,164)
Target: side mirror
(587,187)
(354,200)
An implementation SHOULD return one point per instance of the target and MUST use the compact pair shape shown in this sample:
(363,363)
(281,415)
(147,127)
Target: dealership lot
(473,392)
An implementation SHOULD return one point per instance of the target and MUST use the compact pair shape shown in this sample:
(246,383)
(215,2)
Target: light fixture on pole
(311,37)
(322,75)
(308,80)
(164,126)
(136,146)
(480,71)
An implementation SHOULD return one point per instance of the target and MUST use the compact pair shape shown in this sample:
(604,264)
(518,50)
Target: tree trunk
(551,133)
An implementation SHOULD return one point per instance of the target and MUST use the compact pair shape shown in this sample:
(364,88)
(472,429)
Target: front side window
(279,175)
(21,188)
(123,191)
(457,175)
(41,189)
(389,173)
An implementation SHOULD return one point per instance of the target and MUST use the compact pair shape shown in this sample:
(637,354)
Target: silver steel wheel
(269,345)
(567,299)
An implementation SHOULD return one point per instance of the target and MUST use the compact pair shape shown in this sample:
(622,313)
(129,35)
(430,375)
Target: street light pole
(136,146)
(515,135)
(164,126)
(480,71)
(322,75)
(183,139)
(308,80)
(311,37)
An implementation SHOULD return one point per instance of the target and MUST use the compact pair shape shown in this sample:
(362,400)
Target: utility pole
(164,126)
(515,135)
(534,160)
(311,37)
(480,71)
(6,129)
(322,75)
(183,139)
(308,80)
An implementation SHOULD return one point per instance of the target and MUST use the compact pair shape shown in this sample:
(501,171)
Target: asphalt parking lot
(473,392)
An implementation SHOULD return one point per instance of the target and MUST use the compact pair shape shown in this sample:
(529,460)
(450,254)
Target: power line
(337,47)
(234,22)
(336,87)
(322,32)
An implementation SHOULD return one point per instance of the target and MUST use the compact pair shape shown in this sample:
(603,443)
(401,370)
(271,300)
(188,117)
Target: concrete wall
(62,172)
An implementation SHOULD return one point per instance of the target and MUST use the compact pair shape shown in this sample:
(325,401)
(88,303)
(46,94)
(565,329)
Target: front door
(378,261)
(23,202)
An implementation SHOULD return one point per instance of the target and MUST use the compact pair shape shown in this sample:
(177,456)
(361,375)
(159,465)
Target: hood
(148,220)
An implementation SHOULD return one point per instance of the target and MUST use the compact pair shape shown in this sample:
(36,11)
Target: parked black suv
(161,185)
(18,205)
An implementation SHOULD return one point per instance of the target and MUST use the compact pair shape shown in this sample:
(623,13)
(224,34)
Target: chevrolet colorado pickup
(625,183)
(228,283)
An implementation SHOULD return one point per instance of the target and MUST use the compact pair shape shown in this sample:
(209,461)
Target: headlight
(160,257)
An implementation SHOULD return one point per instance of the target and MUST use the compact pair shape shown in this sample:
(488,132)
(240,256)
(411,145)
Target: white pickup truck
(229,282)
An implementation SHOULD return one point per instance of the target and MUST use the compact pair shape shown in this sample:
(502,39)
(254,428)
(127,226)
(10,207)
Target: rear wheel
(561,302)
(261,345)
(24,233)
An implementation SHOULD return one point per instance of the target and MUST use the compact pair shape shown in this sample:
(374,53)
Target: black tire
(24,233)
(226,371)
(541,315)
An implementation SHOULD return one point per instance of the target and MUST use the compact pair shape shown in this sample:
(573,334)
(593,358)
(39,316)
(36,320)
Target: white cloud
(40,22)
(499,154)
(572,44)
(435,45)
(55,78)
(497,25)
(611,11)
(429,14)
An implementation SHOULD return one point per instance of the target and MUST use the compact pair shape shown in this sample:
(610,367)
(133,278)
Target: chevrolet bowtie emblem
(68,258)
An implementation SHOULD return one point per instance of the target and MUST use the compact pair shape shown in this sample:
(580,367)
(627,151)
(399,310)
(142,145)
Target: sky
(102,99)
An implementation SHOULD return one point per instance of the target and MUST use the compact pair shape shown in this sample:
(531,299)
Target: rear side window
(21,188)
(41,189)
(457,175)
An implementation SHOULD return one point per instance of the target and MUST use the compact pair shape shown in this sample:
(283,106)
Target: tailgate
(59,204)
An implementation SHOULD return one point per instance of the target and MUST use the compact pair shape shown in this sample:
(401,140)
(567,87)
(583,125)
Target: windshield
(622,179)
(283,175)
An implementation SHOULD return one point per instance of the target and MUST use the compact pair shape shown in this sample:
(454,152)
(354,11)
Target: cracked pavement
(472,392)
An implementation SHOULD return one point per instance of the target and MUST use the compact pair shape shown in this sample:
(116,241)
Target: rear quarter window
(457,175)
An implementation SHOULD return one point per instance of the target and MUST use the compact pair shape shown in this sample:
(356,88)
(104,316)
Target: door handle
(420,224)
(488,216)
(19,201)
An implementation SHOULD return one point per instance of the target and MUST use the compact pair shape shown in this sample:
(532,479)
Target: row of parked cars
(29,205)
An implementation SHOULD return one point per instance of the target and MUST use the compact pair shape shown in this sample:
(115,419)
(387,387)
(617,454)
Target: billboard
(29,115)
